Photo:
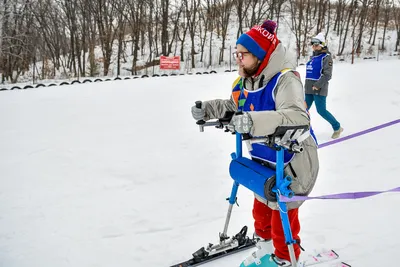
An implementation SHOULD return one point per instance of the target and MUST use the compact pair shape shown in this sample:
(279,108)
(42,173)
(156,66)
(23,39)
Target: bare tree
(191,11)
(164,26)
(17,36)
(241,11)
(321,8)
(148,19)
(121,41)
(223,9)
(374,20)
(69,13)
(210,25)
(309,23)
(276,10)
(301,24)
(184,26)
(355,38)
(328,23)
(339,17)
(5,16)
(365,4)
(259,12)
(202,26)
(105,13)
(133,13)
(175,18)
(350,11)
(296,12)
(387,8)
(396,13)
(92,33)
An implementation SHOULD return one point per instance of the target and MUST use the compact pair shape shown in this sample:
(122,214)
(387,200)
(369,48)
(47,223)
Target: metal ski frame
(281,188)
(282,139)
(282,183)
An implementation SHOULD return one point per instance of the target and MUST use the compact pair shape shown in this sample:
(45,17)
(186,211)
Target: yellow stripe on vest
(236,82)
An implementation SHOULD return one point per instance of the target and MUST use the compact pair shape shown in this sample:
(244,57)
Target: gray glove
(241,123)
(198,113)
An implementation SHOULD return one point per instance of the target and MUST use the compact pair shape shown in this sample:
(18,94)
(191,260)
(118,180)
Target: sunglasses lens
(315,42)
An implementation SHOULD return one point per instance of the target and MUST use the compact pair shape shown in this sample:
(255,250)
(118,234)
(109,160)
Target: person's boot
(275,261)
(260,256)
(261,259)
(336,134)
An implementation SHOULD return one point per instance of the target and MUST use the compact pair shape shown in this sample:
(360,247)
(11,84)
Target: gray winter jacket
(323,82)
(290,110)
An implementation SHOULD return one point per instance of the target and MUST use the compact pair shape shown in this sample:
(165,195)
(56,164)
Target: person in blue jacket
(318,73)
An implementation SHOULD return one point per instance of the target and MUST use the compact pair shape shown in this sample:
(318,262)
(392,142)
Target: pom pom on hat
(269,25)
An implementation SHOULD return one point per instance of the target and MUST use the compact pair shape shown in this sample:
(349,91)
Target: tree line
(63,34)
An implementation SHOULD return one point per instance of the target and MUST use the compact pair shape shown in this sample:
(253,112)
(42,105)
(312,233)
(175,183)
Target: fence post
(230,58)
(34,67)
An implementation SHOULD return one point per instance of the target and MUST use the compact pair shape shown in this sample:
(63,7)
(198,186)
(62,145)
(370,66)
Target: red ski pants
(268,225)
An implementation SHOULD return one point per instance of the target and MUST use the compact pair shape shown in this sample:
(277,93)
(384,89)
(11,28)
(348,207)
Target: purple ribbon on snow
(359,133)
(351,195)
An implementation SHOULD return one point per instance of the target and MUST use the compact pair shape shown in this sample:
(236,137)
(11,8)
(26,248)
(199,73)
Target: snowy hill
(118,174)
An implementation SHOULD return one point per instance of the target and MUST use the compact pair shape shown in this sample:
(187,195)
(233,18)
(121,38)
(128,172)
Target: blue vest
(260,100)
(314,67)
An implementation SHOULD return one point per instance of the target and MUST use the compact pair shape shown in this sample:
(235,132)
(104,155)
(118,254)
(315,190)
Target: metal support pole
(232,200)
(238,145)
(235,187)
(230,58)
(282,206)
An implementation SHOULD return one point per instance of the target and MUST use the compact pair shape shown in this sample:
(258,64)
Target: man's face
(247,62)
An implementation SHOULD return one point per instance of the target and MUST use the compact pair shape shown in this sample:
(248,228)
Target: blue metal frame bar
(238,154)
(281,188)
(281,185)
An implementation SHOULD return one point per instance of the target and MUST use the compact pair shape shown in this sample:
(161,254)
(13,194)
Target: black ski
(196,261)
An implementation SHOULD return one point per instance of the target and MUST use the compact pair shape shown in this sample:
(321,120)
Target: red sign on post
(170,63)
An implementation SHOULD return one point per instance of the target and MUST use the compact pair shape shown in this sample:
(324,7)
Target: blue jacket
(318,73)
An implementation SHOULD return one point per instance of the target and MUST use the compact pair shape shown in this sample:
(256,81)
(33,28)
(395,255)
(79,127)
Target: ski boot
(268,260)
(259,256)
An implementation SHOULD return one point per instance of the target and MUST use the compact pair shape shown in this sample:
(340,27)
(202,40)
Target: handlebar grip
(198,104)
(246,137)
(200,122)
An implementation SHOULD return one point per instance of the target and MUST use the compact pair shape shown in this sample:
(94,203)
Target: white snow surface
(118,174)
